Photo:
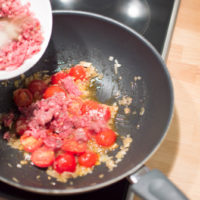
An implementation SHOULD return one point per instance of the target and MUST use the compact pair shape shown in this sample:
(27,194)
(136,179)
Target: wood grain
(179,155)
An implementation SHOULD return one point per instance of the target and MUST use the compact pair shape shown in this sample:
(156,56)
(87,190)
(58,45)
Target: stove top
(10,193)
(154,19)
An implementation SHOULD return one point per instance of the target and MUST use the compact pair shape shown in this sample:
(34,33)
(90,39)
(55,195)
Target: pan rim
(139,165)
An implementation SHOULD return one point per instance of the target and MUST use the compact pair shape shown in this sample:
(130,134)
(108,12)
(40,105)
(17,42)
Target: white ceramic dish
(43,12)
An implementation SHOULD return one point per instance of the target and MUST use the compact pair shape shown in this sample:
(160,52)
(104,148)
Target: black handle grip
(156,186)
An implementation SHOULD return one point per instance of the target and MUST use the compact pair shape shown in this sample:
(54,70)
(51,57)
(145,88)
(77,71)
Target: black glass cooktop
(111,192)
(153,19)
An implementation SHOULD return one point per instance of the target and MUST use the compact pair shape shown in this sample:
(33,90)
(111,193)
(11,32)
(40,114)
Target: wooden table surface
(179,155)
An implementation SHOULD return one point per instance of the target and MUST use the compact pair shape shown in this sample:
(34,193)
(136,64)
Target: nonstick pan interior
(81,36)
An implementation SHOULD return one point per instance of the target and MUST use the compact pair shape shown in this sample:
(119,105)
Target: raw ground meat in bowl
(25,30)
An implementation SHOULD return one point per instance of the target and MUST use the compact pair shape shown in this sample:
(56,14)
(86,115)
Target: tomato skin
(74,147)
(30,143)
(88,159)
(89,105)
(37,88)
(94,108)
(107,114)
(21,126)
(52,90)
(106,137)
(78,72)
(65,162)
(22,97)
(43,157)
(55,79)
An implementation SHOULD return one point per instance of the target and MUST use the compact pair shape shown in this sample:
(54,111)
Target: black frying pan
(81,36)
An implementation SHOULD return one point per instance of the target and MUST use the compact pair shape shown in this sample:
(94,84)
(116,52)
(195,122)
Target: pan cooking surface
(81,36)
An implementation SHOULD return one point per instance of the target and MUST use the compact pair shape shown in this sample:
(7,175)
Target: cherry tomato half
(30,143)
(37,88)
(43,157)
(106,137)
(55,79)
(88,159)
(65,162)
(78,72)
(52,90)
(97,109)
(22,97)
(73,146)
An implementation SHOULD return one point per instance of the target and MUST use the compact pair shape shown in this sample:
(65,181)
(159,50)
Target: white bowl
(43,12)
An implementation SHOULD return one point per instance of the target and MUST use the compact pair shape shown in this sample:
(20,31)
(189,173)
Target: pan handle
(153,185)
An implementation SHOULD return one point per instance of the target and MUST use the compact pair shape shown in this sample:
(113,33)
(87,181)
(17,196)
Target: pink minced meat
(80,135)
(14,53)
(13,8)
(44,111)
(53,142)
(52,113)
(70,86)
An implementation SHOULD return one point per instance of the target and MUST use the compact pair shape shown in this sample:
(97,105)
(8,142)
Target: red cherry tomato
(43,157)
(30,143)
(93,108)
(21,126)
(52,90)
(78,72)
(73,146)
(106,138)
(65,162)
(22,97)
(37,88)
(88,159)
(58,76)
(89,105)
